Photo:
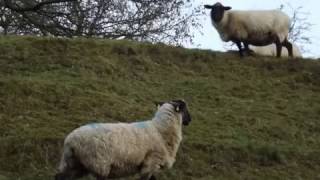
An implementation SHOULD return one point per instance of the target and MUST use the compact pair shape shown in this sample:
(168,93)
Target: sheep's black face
(181,107)
(217,11)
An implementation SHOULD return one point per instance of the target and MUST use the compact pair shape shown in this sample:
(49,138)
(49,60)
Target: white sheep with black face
(259,28)
(114,150)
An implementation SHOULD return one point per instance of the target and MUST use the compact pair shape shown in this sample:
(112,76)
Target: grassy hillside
(253,118)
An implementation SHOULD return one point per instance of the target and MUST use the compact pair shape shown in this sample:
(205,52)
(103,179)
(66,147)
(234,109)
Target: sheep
(257,28)
(270,50)
(115,150)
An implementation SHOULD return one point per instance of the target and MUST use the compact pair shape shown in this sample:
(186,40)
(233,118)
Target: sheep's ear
(176,107)
(226,8)
(208,6)
(158,104)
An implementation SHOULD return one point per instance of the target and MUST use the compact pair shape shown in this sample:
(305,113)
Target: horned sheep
(259,28)
(114,150)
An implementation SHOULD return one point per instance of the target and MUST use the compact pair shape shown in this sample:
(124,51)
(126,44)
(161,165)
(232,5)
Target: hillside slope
(253,118)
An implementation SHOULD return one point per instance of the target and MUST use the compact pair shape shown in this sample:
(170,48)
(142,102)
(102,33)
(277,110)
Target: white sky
(211,40)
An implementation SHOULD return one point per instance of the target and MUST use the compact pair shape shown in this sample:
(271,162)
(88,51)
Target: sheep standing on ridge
(110,150)
(259,28)
(271,50)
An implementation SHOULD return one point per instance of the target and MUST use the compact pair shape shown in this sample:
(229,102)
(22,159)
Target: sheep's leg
(70,174)
(148,177)
(279,47)
(70,167)
(288,45)
(238,43)
(61,176)
(152,178)
(247,49)
(151,164)
(101,178)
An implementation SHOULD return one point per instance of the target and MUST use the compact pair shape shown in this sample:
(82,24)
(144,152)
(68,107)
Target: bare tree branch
(300,26)
(167,21)
(14,7)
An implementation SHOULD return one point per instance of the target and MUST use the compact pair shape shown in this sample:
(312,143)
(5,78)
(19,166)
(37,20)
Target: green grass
(253,118)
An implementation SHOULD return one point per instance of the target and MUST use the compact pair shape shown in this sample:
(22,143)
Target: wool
(259,27)
(253,26)
(113,150)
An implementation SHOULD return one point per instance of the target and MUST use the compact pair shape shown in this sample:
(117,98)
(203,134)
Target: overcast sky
(211,40)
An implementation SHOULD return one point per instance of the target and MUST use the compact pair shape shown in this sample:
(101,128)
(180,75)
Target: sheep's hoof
(59,176)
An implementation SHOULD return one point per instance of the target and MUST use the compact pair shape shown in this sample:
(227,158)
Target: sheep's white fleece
(255,27)
(271,50)
(122,149)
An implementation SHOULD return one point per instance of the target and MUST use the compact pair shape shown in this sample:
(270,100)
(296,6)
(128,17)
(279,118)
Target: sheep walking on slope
(259,28)
(114,150)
